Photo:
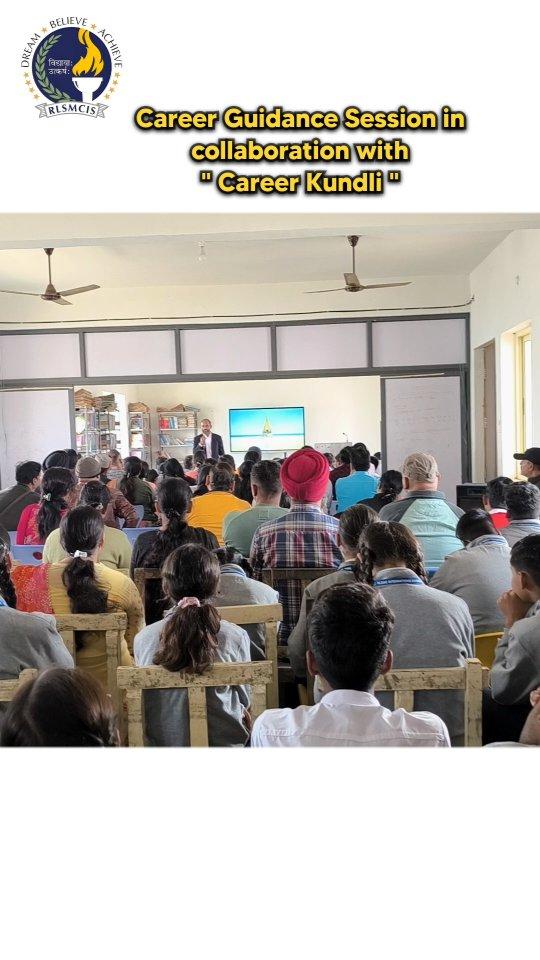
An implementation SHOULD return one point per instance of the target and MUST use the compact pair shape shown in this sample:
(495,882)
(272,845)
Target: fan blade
(71,293)
(21,293)
(62,302)
(333,290)
(382,286)
(351,280)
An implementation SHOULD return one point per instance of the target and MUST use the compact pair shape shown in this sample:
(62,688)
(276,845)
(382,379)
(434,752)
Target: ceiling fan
(352,283)
(51,293)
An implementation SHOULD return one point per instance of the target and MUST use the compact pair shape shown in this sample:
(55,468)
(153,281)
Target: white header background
(200,854)
(477,57)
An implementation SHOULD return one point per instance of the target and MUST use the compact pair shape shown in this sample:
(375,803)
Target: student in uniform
(432,628)
(523,509)
(480,572)
(360,484)
(349,648)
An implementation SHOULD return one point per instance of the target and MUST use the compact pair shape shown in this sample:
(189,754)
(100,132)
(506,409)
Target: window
(524,426)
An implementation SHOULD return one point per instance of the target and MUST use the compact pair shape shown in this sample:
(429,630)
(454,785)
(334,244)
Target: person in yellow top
(116,551)
(210,509)
(81,584)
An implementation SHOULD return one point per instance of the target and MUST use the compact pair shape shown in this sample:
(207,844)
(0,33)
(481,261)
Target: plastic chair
(485,645)
(31,555)
(13,537)
(139,510)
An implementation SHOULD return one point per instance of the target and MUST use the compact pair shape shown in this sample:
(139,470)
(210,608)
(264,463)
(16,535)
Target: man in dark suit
(210,443)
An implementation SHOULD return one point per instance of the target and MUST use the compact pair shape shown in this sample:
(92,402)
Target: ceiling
(159,251)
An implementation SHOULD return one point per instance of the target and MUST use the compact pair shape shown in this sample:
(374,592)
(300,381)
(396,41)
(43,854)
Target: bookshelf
(140,437)
(176,430)
(87,431)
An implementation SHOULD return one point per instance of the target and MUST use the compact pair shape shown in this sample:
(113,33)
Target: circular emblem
(72,64)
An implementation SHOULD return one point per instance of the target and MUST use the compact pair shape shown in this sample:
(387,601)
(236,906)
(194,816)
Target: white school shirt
(348,718)
(208,443)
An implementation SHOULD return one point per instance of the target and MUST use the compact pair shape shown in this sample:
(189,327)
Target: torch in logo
(87,71)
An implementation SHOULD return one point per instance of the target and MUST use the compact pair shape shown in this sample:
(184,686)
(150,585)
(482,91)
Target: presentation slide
(270,428)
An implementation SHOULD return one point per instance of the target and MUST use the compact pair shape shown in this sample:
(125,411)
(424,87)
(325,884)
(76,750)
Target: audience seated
(239,526)
(360,484)
(351,525)
(432,628)
(192,637)
(331,459)
(494,500)
(58,458)
(516,669)
(530,734)
(137,491)
(172,468)
(342,468)
(303,537)
(116,552)
(480,572)
(523,509)
(119,509)
(242,483)
(237,587)
(116,468)
(425,510)
(81,584)
(389,489)
(209,511)
(151,549)
(27,640)
(201,487)
(530,464)
(23,493)
(58,494)
(190,468)
(60,708)
(349,648)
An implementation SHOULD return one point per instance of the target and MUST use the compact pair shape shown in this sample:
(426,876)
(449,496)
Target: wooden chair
(270,614)
(471,678)
(112,626)
(276,575)
(142,576)
(135,680)
(485,645)
(8,688)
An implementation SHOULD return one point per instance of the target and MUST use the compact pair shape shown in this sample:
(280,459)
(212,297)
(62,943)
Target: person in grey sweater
(480,572)
(192,637)
(237,587)
(523,509)
(351,524)
(515,673)
(432,628)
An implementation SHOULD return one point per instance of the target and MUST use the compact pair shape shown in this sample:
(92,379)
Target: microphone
(345,435)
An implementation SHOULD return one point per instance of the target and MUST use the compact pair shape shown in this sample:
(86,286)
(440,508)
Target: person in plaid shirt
(304,537)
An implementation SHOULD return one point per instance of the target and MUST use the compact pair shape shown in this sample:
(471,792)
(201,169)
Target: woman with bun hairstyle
(81,584)
(58,495)
(191,638)
(137,491)
(116,552)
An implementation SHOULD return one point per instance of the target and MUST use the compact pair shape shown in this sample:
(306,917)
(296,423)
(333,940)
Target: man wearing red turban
(304,537)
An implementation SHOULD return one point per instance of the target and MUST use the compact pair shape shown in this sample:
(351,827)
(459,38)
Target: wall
(506,290)
(333,406)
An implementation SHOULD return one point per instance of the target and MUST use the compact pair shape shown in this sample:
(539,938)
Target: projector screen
(270,428)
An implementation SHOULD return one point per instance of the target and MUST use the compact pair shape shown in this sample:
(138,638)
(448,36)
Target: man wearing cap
(425,510)
(90,468)
(530,464)
(304,537)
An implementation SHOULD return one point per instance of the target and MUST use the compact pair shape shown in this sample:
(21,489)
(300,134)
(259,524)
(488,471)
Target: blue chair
(13,537)
(30,554)
(133,532)
(431,571)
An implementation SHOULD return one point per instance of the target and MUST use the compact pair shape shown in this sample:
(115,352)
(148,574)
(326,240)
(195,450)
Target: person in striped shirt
(304,537)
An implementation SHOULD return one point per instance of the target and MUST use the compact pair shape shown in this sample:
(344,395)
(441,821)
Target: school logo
(72,66)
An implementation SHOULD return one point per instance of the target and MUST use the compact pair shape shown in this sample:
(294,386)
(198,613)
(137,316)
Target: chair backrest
(112,626)
(141,576)
(8,688)
(134,680)
(470,678)
(485,645)
(270,614)
(30,554)
(133,532)
(139,510)
(276,575)
(13,537)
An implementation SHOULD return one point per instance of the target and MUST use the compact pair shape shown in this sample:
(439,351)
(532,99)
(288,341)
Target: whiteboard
(423,415)
(230,350)
(33,423)
(322,346)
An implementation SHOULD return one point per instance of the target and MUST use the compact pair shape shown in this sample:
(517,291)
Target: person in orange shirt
(210,511)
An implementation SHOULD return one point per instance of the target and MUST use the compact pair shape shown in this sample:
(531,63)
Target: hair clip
(46,496)
(188,602)
(80,553)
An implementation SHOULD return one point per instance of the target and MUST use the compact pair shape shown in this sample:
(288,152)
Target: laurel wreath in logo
(45,85)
